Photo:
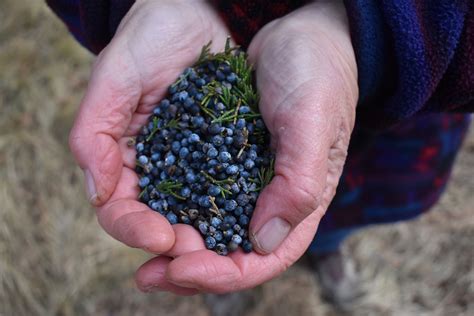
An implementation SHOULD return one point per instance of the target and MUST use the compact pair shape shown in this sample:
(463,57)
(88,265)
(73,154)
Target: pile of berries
(203,157)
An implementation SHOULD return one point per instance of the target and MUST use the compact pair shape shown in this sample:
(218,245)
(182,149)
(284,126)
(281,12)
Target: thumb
(104,115)
(305,177)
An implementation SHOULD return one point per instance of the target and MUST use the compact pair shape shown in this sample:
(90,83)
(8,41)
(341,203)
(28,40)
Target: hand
(155,42)
(307,78)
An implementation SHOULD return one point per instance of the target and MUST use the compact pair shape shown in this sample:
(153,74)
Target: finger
(137,226)
(297,188)
(209,272)
(150,277)
(303,141)
(187,240)
(206,271)
(132,222)
(105,112)
(299,105)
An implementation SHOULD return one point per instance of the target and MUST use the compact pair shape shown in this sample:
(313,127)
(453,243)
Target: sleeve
(92,22)
(413,56)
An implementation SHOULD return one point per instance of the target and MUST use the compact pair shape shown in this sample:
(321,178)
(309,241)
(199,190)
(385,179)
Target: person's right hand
(154,43)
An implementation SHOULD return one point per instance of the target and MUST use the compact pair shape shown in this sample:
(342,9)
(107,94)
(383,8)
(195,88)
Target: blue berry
(224,156)
(244,220)
(197,155)
(220,106)
(259,124)
(212,163)
(190,177)
(218,235)
(214,128)
(175,147)
(217,140)
(230,205)
(185,192)
(232,246)
(216,222)
(212,152)
(230,220)
(183,83)
(170,160)
(239,210)
(172,218)
(203,227)
(140,147)
(183,152)
(228,140)
(155,157)
(232,170)
(244,109)
(242,199)
(188,104)
(237,228)
(247,246)
(143,160)
(200,82)
(182,96)
(225,68)
(214,190)
(249,164)
(199,96)
(197,121)
(172,89)
(228,233)
(232,77)
(204,201)
(194,138)
(234,188)
(185,219)
(220,75)
(237,239)
(241,123)
(221,249)
(143,182)
(210,242)
(252,154)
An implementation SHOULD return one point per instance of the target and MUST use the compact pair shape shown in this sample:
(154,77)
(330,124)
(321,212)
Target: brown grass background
(55,259)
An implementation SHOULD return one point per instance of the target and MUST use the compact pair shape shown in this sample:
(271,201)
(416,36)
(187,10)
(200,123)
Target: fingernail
(272,234)
(90,187)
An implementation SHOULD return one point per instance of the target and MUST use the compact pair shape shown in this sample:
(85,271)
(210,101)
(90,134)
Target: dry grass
(55,260)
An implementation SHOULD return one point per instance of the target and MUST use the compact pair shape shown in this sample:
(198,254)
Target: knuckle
(125,229)
(304,196)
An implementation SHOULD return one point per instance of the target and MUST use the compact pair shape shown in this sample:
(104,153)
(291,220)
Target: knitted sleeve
(413,56)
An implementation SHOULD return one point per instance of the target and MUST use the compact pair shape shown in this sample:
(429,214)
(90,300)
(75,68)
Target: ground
(56,260)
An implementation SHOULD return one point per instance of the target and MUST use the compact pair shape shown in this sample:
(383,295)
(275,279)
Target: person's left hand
(307,78)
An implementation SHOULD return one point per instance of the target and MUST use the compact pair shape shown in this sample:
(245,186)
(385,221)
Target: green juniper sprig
(241,93)
(170,187)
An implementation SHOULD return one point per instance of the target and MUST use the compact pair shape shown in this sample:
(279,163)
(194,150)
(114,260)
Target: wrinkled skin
(307,78)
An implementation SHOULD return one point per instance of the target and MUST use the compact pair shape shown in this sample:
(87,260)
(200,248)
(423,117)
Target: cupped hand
(154,43)
(307,79)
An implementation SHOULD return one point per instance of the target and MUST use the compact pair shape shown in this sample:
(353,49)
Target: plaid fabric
(396,174)
(246,18)
(414,57)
